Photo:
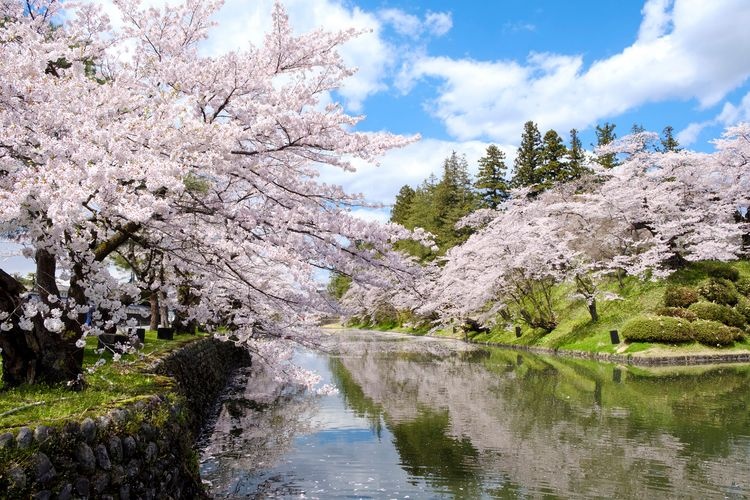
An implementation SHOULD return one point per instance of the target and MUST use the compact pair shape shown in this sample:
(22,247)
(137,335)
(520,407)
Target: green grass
(109,386)
(576,331)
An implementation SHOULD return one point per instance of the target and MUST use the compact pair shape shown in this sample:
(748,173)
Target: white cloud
(438,23)
(693,50)
(730,114)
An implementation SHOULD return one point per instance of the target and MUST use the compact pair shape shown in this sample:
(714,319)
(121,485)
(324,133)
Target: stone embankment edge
(141,450)
(674,360)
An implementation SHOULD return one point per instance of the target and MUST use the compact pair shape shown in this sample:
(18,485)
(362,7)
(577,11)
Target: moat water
(427,418)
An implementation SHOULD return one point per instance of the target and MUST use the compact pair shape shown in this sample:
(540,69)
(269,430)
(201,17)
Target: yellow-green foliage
(680,296)
(714,333)
(718,312)
(658,329)
(720,291)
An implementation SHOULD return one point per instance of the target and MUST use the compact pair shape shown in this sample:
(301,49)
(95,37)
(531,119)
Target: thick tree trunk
(154,302)
(36,355)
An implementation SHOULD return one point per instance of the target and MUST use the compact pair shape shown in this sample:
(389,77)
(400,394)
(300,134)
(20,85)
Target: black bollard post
(614,336)
(518,331)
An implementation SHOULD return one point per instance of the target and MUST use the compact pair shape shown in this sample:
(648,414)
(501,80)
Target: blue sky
(467,74)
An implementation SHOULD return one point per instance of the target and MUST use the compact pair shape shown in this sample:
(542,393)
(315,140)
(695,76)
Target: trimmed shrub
(680,296)
(714,333)
(658,329)
(743,307)
(720,291)
(722,270)
(676,312)
(743,286)
(718,312)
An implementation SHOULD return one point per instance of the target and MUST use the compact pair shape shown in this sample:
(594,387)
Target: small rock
(115,449)
(125,492)
(6,440)
(133,468)
(117,474)
(72,430)
(119,416)
(82,486)
(150,453)
(128,446)
(100,483)
(88,430)
(17,478)
(102,458)
(43,468)
(24,438)
(42,495)
(103,423)
(85,458)
(66,492)
(41,434)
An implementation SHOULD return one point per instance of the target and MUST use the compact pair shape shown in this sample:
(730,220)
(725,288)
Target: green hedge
(718,312)
(680,296)
(657,329)
(719,290)
(723,270)
(743,307)
(676,312)
(743,286)
(714,333)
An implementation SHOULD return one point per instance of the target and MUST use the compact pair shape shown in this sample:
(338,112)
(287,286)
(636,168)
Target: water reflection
(430,419)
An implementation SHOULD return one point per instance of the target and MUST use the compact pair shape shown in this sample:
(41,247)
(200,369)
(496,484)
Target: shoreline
(676,359)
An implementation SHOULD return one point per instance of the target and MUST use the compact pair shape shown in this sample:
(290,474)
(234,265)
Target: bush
(718,312)
(680,296)
(743,307)
(658,329)
(743,286)
(714,333)
(720,291)
(722,270)
(676,312)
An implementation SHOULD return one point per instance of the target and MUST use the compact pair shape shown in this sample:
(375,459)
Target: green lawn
(109,386)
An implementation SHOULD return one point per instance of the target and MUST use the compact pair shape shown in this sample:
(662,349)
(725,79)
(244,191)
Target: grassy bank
(109,386)
(575,331)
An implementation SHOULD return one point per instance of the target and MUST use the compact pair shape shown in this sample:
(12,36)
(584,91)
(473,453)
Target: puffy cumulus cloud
(433,24)
(409,165)
(686,49)
(730,114)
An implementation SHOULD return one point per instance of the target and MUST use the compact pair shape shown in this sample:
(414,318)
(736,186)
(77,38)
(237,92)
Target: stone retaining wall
(142,450)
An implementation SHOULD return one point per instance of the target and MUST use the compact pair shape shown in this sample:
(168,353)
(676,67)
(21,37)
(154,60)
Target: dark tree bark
(38,355)
(153,299)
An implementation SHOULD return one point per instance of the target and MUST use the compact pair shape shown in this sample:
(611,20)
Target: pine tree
(491,184)
(668,141)
(453,200)
(402,206)
(604,135)
(554,167)
(528,159)
(576,156)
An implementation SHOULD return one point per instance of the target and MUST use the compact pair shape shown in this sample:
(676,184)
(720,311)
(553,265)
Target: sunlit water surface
(426,418)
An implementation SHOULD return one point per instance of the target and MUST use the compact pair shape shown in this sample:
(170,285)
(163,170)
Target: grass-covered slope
(109,386)
(640,301)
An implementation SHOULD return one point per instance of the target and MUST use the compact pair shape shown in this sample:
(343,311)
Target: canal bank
(139,449)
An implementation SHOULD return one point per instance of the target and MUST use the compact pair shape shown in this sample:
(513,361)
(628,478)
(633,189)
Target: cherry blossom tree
(652,213)
(113,137)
